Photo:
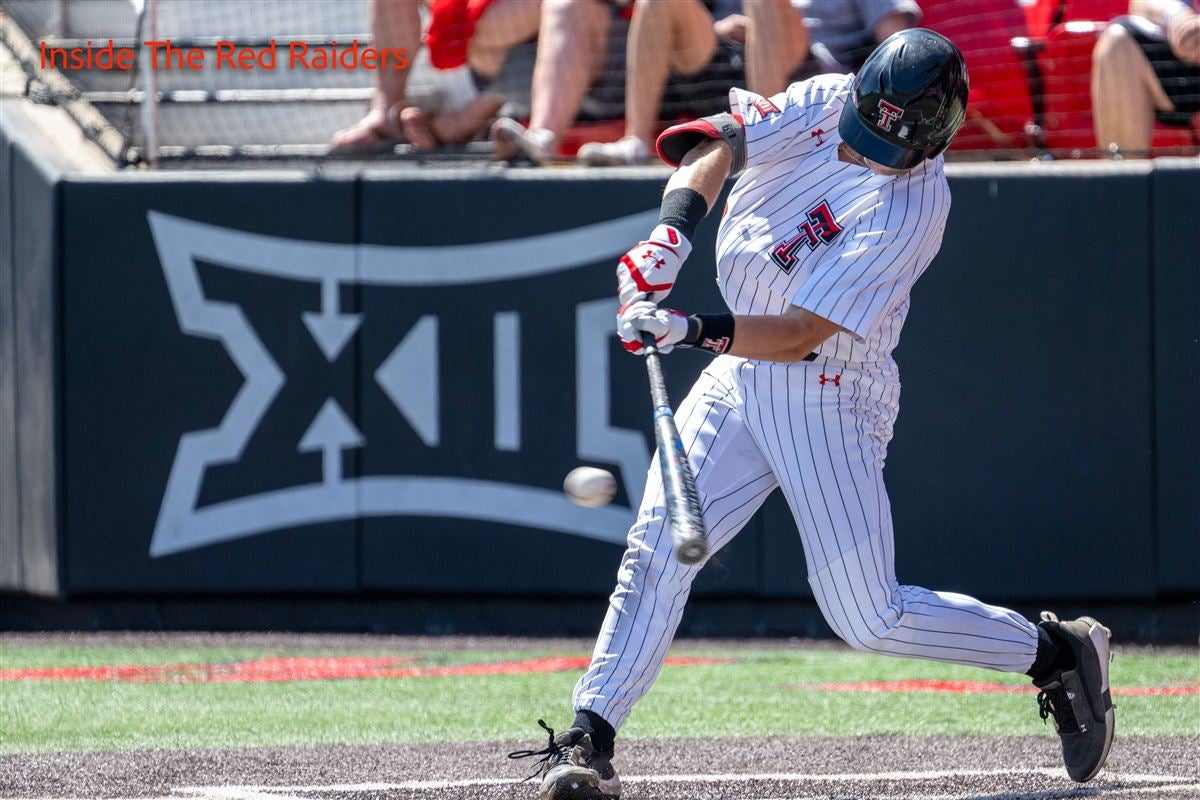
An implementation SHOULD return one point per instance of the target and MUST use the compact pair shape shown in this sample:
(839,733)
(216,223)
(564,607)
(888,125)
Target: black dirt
(1013,768)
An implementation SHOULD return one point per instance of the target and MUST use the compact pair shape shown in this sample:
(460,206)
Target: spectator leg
(395,24)
(1125,93)
(504,24)
(449,126)
(776,44)
(665,36)
(571,43)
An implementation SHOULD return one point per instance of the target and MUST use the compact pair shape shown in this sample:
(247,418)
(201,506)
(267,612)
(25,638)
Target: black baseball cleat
(1079,698)
(571,769)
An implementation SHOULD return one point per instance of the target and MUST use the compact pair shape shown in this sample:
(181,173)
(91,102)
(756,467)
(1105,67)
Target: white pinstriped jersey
(803,228)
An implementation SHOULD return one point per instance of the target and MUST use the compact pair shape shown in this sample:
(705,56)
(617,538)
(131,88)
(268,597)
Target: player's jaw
(846,153)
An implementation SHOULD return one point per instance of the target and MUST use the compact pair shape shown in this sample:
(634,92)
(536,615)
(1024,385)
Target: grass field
(756,690)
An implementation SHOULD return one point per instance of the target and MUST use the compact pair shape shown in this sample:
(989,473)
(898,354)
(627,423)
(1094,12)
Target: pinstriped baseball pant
(818,430)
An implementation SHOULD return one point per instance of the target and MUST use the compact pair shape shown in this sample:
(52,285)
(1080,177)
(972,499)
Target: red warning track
(283,670)
(981,687)
(286,670)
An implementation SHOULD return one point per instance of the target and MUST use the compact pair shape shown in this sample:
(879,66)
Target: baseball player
(840,206)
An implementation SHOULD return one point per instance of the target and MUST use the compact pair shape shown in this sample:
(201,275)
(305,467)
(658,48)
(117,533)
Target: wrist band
(683,209)
(711,332)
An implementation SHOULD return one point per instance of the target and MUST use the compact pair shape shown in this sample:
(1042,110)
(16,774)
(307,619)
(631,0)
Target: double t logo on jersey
(819,227)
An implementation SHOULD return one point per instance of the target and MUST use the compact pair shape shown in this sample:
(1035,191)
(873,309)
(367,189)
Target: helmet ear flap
(937,151)
(945,121)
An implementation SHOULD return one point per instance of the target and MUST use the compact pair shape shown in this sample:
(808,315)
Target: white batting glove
(649,269)
(667,325)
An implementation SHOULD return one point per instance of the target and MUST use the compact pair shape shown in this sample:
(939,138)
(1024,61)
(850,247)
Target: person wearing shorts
(1146,67)
(709,47)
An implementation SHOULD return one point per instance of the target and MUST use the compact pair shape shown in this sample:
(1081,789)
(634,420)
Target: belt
(810,357)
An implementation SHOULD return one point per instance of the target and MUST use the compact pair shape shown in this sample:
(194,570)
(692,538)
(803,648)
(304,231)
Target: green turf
(756,695)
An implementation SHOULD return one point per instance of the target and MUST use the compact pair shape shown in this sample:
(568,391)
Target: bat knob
(691,552)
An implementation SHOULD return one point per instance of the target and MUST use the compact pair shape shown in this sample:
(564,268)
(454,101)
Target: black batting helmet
(910,97)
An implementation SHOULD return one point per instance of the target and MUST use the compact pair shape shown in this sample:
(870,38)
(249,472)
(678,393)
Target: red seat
(583,132)
(1093,10)
(1041,16)
(999,105)
(1067,66)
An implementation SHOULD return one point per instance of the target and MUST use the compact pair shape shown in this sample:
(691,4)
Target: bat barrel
(679,485)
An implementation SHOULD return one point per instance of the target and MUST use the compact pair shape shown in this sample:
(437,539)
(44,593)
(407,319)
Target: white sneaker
(629,151)
(510,138)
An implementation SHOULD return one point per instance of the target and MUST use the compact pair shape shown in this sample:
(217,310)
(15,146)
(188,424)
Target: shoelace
(1056,702)
(553,755)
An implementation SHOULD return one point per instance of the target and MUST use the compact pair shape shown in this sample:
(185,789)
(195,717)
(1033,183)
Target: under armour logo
(819,133)
(651,261)
(888,114)
(836,380)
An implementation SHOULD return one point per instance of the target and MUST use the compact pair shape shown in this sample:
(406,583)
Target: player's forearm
(783,338)
(703,170)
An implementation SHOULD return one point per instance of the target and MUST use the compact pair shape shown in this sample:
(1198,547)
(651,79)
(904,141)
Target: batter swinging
(840,208)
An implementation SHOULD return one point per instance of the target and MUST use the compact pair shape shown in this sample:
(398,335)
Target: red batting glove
(650,268)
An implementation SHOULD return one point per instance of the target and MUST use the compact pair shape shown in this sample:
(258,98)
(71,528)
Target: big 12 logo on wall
(443,433)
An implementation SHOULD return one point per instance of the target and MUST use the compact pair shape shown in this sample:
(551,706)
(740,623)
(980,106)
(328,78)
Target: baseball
(590,487)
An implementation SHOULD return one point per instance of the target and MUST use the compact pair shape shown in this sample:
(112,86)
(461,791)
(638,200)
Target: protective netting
(1030,65)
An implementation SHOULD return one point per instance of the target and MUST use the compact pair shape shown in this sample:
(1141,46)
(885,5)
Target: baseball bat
(683,505)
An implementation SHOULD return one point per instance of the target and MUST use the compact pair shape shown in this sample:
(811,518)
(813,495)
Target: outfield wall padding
(373,383)
(10,542)
(134,384)
(1024,441)
(30,438)
(1176,238)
